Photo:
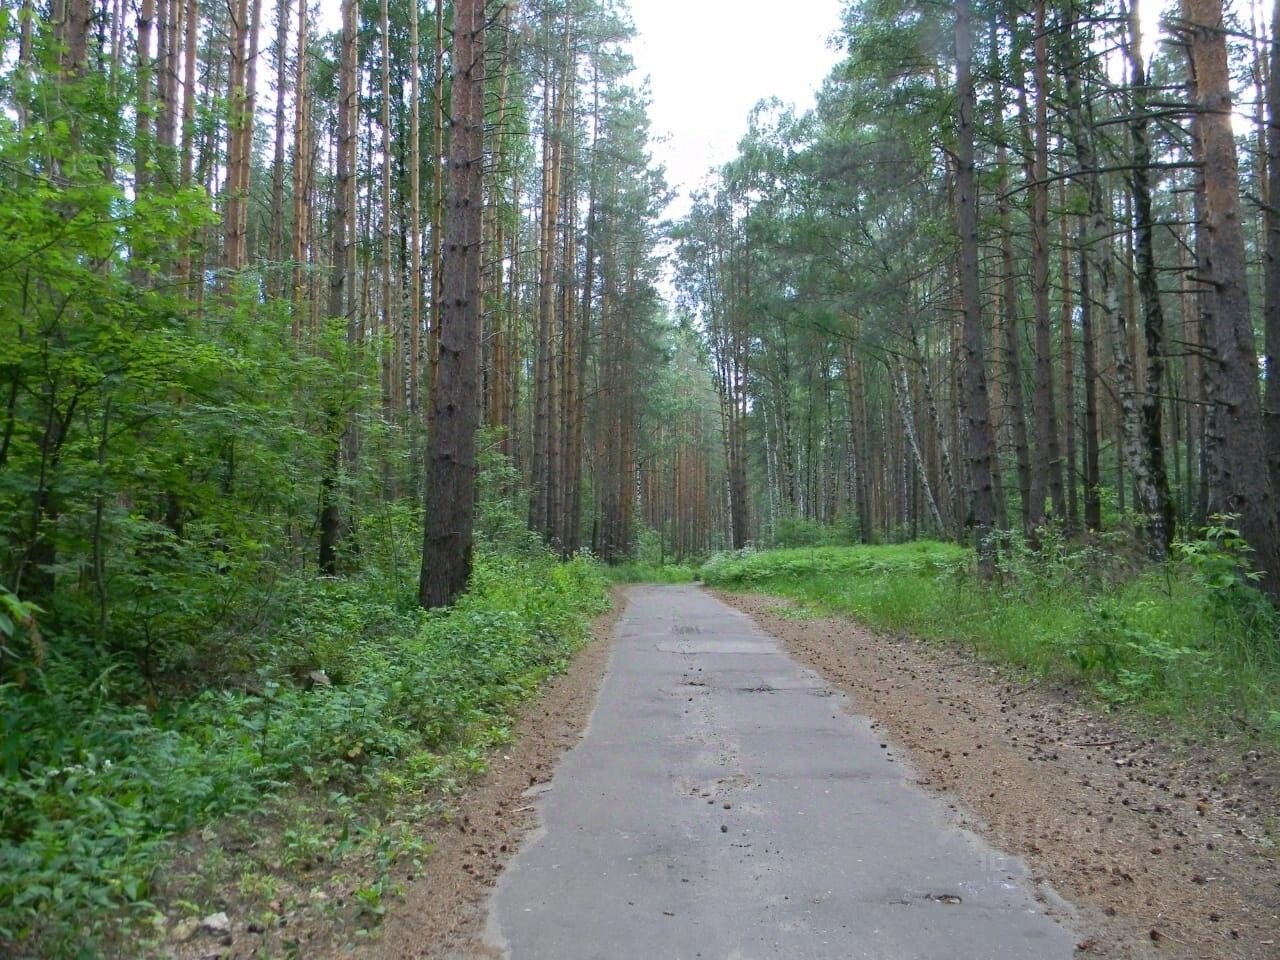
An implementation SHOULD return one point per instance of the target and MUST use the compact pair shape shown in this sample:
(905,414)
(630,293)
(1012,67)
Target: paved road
(724,805)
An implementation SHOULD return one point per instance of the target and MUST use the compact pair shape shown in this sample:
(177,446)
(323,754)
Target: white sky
(710,61)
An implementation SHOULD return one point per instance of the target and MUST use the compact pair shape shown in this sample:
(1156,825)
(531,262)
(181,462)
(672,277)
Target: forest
(349,352)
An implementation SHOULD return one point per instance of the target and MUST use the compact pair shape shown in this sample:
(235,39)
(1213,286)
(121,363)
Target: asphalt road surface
(724,804)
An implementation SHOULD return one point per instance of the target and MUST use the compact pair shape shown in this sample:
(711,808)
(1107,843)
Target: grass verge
(1187,640)
(94,791)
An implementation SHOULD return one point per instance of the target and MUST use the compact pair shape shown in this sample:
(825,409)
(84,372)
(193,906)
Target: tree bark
(451,450)
(144,69)
(975,374)
(1049,462)
(1070,472)
(237,120)
(1016,403)
(437,208)
(275,245)
(415,210)
(1150,477)
(902,390)
(171,28)
(1237,462)
(1272,280)
(191,27)
(341,279)
(1097,263)
(301,164)
(390,347)
(1089,354)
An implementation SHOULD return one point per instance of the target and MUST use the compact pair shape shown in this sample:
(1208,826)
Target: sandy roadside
(1161,844)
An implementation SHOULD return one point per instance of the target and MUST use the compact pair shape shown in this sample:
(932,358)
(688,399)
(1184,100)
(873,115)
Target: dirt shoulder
(1163,846)
(443,911)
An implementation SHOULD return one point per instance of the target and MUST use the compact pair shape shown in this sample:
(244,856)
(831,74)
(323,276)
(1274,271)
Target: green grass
(94,788)
(637,572)
(1177,641)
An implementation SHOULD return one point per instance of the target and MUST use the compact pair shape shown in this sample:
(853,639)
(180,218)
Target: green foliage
(18,626)
(1220,562)
(636,572)
(757,568)
(162,439)
(1131,657)
(1191,640)
(502,501)
(649,547)
(651,561)
(790,532)
(167,443)
(94,787)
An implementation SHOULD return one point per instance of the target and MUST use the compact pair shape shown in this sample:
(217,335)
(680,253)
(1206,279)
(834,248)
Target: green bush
(92,789)
(761,567)
(791,532)
(636,572)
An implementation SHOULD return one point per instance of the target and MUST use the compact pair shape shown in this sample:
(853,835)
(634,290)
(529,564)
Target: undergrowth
(1190,640)
(638,572)
(359,693)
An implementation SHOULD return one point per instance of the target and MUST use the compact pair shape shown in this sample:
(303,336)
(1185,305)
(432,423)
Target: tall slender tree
(977,401)
(1238,476)
(451,449)
(1150,478)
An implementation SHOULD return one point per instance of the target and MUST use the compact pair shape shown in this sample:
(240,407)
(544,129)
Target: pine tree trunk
(1238,470)
(975,374)
(1271,322)
(951,489)
(415,210)
(1189,317)
(301,164)
(544,441)
(390,314)
(1097,263)
(26,56)
(246,133)
(144,70)
(451,450)
(237,121)
(437,211)
(562,276)
(502,343)
(1049,460)
(171,27)
(341,280)
(1070,477)
(1015,403)
(186,172)
(275,246)
(191,26)
(579,413)
(1089,356)
(570,467)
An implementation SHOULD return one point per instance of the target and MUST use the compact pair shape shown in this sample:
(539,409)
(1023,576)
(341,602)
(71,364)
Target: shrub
(92,789)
